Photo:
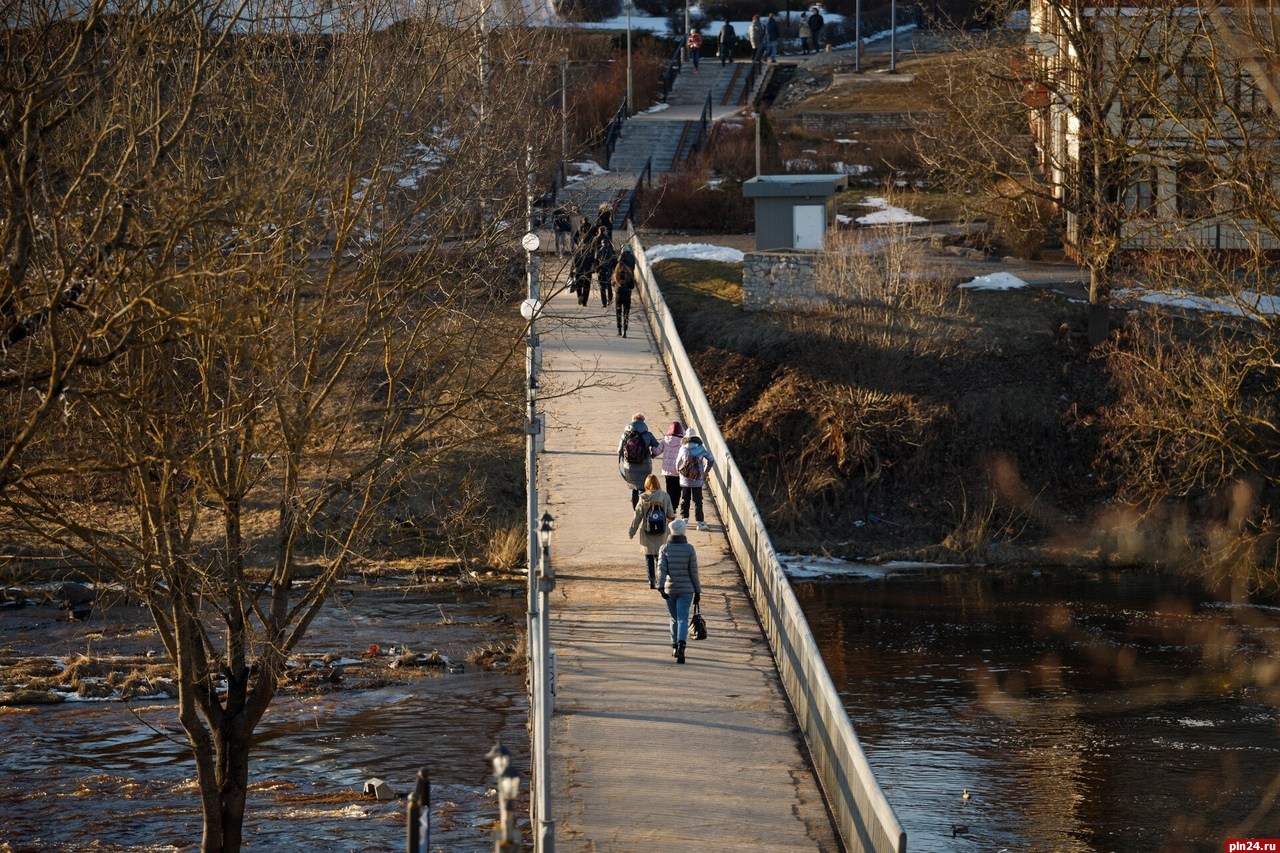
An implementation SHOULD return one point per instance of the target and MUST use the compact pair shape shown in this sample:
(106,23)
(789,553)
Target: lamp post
(630,107)
(684,36)
(545,837)
(507,781)
(857,36)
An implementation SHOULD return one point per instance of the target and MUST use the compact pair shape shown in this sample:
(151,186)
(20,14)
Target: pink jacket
(670,450)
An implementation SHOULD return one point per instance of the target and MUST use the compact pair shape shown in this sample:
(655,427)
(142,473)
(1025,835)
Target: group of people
(671,562)
(763,36)
(592,255)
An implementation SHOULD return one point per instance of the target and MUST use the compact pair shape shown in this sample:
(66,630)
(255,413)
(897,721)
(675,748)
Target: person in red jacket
(694,43)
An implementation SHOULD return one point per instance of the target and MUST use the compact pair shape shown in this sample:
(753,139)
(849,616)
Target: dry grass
(908,415)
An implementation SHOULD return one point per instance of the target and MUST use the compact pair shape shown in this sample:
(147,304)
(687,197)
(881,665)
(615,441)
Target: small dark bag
(698,625)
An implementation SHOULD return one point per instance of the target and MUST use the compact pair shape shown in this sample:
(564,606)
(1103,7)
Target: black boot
(680,652)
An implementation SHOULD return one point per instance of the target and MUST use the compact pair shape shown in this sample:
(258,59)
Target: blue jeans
(772,48)
(678,606)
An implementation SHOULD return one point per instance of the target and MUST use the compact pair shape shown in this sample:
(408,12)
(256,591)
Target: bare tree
(302,307)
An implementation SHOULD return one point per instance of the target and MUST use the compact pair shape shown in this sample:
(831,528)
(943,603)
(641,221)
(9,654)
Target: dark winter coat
(678,567)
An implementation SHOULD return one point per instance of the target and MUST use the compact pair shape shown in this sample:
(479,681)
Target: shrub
(1022,218)
(593,104)
(685,200)
(588,10)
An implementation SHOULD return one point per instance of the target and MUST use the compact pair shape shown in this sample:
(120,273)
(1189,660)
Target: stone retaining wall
(780,280)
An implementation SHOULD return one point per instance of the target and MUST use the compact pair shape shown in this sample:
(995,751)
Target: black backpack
(635,449)
(656,519)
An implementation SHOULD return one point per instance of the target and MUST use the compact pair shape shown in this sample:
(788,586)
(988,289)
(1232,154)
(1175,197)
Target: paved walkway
(649,756)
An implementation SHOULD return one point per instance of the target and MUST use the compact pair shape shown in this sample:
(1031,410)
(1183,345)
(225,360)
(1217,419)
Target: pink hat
(676,428)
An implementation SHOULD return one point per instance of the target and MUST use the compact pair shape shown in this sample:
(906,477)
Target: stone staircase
(665,137)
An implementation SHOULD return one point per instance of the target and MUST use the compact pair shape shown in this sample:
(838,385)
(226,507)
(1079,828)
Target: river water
(1117,712)
(112,777)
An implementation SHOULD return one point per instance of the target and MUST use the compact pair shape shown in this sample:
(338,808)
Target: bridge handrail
(863,815)
(704,127)
(672,71)
(615,130)
(628,206)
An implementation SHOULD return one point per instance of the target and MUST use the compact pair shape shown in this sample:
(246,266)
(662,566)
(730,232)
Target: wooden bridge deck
(649,756)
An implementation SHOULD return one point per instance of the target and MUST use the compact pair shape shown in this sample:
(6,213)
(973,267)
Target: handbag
(698,625)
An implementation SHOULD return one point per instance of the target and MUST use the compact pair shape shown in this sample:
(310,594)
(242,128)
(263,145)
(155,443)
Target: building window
(1140,196)
(1195,190)
(1246,98)
(1195,89)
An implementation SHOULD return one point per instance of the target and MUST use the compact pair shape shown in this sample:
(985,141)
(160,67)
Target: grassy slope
(865,435)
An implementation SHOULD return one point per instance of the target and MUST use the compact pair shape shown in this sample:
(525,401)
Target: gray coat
(635,474)
(678,567)
(651,541)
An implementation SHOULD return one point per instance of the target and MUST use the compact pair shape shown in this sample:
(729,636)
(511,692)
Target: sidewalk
(649,756)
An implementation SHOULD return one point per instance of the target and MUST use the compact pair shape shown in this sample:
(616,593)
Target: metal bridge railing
(863,815)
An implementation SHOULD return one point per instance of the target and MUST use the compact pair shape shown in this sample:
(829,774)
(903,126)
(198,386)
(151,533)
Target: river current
(114,777)
(1083,712)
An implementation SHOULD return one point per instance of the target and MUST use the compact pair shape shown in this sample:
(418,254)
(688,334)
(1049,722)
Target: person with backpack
(635,455)
(671,452)
(624,281)
(654,511)
(693,463)
(583,265)
(727,38)
(562,225)
(606,260)
(678,584)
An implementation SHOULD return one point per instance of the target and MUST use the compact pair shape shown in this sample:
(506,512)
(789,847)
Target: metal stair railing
(704,129)
(672,71)
(628,207)
(615,131)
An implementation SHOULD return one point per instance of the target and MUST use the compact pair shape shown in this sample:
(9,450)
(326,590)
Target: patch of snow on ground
(887,214)
(844,220)
(1249,303)
(656,108)
(850,168)
(693,251)
(995,281)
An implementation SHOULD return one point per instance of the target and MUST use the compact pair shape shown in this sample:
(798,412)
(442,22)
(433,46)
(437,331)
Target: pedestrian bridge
(747,746)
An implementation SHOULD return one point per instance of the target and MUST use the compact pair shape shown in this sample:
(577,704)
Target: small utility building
(793,211)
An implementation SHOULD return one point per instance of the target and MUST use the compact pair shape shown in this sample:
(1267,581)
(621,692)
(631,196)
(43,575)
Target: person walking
(694,43)
(624,281)
(604,221)
(562,226)
(606,260)
(670,453)
(693,463)
(771,35)
(727,38)
(755,35)
(805,34)
(635,455)
(583,264)
(678,583)
(654,512)
(815,28)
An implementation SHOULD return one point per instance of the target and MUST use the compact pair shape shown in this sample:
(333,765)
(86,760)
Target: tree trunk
(223,802)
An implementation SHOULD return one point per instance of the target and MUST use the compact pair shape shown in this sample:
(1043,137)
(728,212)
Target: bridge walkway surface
(649,756)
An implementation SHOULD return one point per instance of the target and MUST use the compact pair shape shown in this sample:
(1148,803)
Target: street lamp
(630,106)
(544,534)
(684,36)
(507,781)
(545,830)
